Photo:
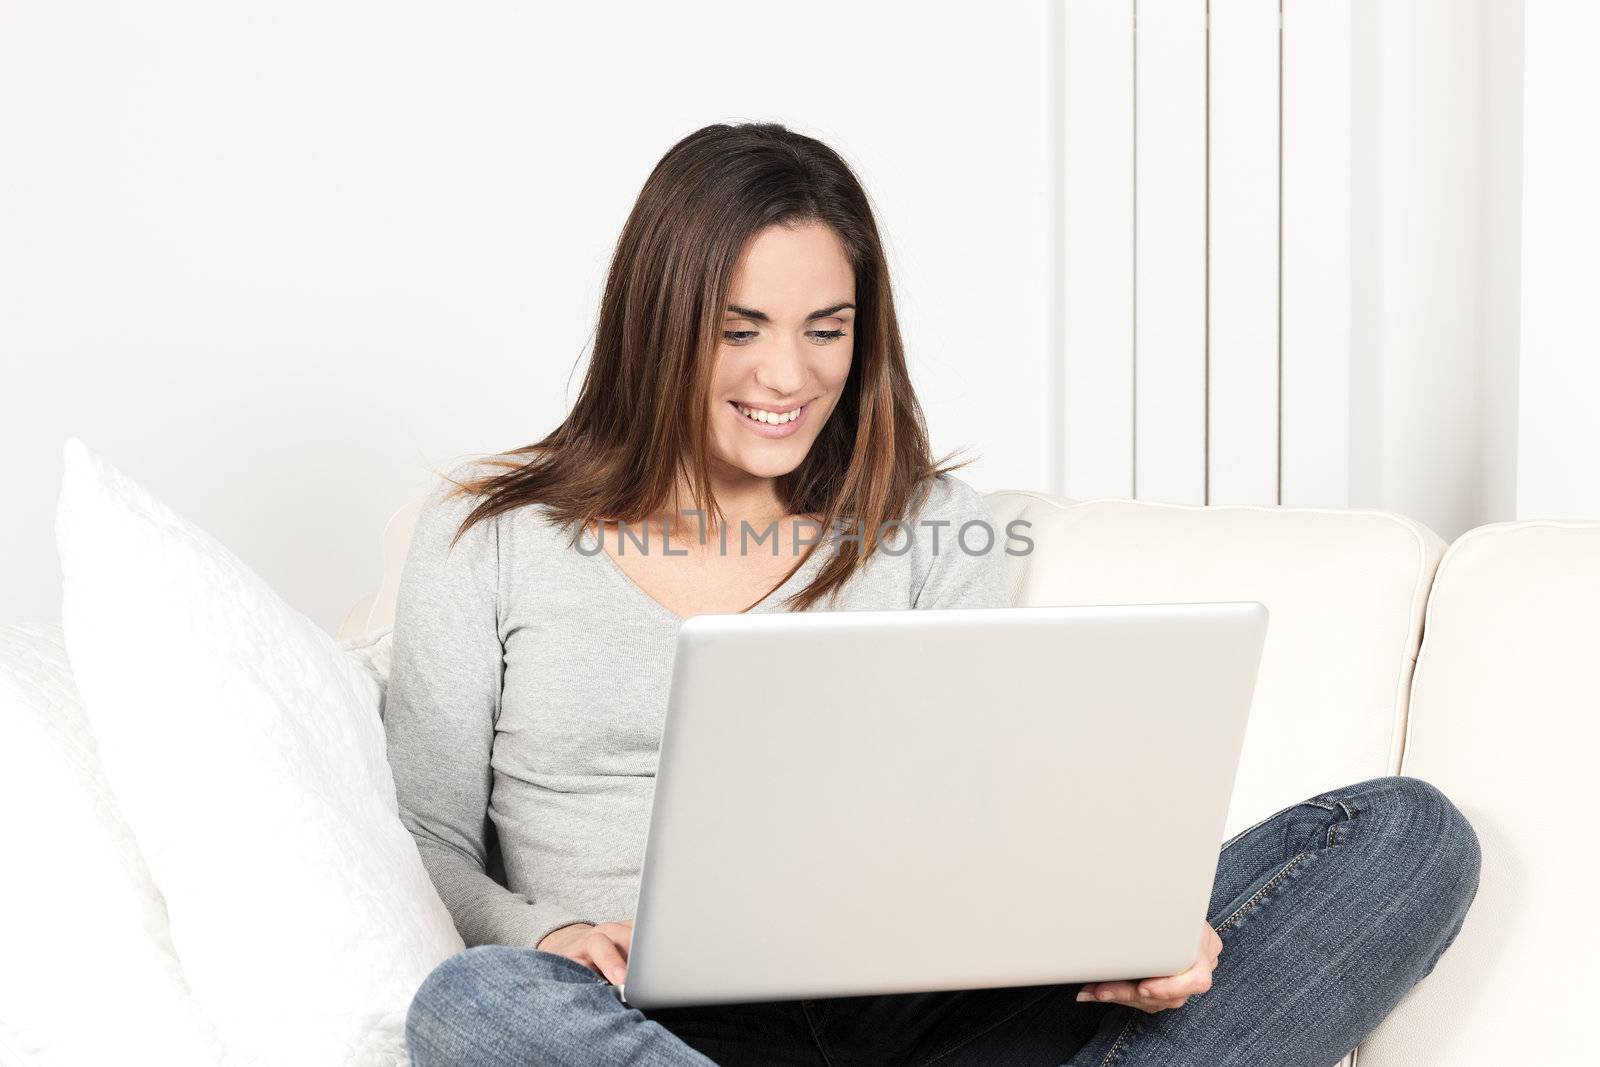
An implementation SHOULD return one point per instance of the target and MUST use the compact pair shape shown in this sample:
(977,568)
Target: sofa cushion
(1505,719)
(89,970)
(245,750)
(1345,588)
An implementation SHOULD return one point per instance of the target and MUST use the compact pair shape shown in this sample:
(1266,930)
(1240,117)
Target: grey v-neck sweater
(529,686)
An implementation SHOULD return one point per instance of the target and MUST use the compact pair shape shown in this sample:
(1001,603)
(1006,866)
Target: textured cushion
(1504,720)
(246,752)
(1345,588)
(88,974)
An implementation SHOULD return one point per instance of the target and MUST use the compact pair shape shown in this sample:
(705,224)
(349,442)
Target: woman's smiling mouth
(769,422)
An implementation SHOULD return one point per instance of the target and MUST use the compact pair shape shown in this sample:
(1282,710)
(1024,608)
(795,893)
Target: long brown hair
(640,417)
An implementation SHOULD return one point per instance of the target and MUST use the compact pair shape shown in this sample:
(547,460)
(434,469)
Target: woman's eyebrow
(761,316)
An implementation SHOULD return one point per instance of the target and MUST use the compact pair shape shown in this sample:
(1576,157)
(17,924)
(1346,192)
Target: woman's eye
(740,337)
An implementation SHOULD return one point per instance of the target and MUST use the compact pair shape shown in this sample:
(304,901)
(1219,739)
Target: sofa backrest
(1505,719)
(1346,590)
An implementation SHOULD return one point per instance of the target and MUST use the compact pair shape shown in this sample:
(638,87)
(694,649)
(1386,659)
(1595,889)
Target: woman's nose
(782,368)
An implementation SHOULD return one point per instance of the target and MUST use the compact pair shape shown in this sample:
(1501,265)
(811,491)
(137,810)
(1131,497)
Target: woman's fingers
(607,957)
(1122,991)
(1190,983)
(621,933)
(1127,993)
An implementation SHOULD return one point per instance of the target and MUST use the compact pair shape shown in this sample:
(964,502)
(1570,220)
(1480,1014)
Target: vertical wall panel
(1170,250)
(1243,257)
(1316,252)
(1097,246)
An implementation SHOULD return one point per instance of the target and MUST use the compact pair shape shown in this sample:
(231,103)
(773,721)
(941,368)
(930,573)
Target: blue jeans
(1328,910)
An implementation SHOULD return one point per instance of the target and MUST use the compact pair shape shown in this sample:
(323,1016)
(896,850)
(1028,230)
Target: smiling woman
(748,364)
(748,370)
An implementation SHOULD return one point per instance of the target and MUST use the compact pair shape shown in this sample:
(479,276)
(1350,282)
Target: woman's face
(788,335)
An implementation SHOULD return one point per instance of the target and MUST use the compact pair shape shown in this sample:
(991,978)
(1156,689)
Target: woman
(748,380)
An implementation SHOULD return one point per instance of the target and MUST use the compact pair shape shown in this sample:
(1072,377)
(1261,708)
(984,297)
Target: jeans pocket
(1236,913)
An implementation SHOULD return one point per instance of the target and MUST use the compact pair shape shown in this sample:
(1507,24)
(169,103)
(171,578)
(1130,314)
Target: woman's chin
(772,460)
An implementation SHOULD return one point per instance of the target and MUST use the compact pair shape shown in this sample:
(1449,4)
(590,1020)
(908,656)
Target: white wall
(274,262)
(274,267)
(1560,368)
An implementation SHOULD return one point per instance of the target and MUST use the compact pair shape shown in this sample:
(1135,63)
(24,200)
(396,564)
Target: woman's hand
(603,949)
(1158,994)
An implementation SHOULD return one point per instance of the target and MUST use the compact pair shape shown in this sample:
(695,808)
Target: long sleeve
(962,570)
(439,716)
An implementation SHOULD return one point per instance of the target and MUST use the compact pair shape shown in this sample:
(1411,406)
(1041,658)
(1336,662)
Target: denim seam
(997,1023)
(1333,830)
(1255,897)
(1121,1043)
(816,1035)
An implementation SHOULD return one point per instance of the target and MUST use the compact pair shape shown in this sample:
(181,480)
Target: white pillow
(246,752)
(88,975)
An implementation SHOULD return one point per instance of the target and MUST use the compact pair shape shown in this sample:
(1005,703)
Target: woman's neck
(741,497)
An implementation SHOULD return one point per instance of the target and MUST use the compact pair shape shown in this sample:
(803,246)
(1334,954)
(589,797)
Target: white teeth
(771,418)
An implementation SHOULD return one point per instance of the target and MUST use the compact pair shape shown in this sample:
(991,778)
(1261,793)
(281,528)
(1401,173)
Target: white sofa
(1475,666)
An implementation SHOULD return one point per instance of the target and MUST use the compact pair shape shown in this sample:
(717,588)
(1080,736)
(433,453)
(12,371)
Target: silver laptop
(865,802)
